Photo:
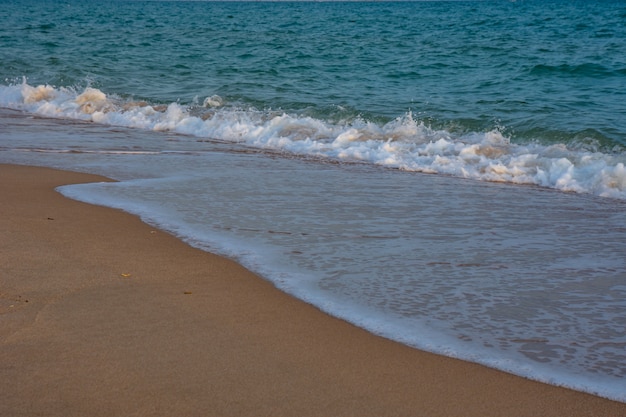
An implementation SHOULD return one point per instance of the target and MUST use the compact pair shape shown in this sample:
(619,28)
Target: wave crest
(404,143)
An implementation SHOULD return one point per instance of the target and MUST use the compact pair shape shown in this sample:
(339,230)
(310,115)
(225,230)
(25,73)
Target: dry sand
(102,315)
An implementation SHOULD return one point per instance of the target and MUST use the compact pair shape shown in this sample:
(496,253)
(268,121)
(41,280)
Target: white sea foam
(405,143)
(472,277)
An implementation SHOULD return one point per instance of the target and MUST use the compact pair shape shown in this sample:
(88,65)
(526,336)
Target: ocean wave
(580,70)
(405,143)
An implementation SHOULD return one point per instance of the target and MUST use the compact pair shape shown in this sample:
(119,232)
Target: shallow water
(524,279)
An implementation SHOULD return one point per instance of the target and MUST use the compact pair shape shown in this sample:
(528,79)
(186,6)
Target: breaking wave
(404,143)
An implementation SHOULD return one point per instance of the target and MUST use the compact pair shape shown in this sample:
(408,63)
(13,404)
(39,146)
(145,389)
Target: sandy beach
(104,315)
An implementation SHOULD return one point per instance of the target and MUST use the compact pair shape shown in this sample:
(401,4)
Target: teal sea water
(297,137)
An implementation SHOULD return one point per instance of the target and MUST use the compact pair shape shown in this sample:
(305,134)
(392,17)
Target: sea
(447,174)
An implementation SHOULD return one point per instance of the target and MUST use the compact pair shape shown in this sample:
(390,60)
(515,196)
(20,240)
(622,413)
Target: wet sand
(103,315)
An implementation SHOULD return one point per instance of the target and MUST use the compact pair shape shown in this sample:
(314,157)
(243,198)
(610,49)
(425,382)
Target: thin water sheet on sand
(108,316)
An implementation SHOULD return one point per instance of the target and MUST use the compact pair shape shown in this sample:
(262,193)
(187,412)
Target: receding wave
(404,143)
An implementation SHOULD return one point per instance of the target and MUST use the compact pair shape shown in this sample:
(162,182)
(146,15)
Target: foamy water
(404,143)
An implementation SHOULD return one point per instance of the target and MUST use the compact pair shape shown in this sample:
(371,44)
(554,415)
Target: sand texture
(103,315)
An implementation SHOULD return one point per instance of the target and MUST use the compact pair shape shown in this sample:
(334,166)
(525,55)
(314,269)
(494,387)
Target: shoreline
(102,314)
